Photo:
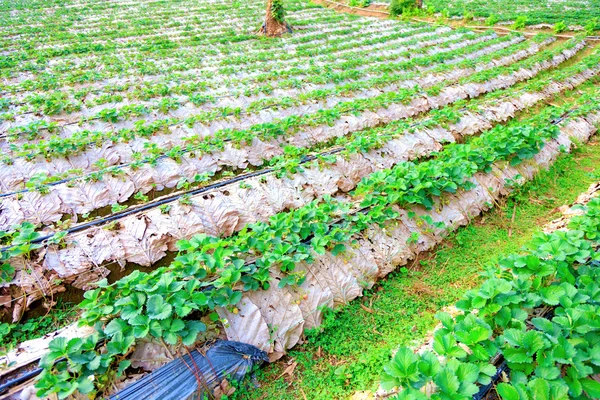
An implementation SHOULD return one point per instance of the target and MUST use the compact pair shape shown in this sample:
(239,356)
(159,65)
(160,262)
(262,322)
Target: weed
(59,316)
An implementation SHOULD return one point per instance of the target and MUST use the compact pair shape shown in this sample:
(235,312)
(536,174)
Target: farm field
(581,15)
(585,13)
(169,177)
(350,352)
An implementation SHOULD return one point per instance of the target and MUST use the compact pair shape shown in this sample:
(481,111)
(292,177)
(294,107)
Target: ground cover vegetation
(180,175)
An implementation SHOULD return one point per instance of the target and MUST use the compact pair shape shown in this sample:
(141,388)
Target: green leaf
(591,387)
(95,363)
(533,341)
(200,298)
(547,372)
(85,385)
(193,328)
(337,249)
(183,310)
(120,344)
(74,345)
(467,375)
(551,294)
(155,329)
(564,352)
(58,345)
(177,325)
(572,380)
(447,382)
(139,320)
(514,337)
(477,334)
(594,354)
(69,389)
(429,365)
(467,372)
(171,338)
(507,392)
(235,298)
(518,356)
(446,320)
(540,389)
(411,394)
(486,371)
(401,370)
(115,326)
(141,331)
(543,324)
(478,302)
(123,365)
(81,358)
(157,307)
(446,345)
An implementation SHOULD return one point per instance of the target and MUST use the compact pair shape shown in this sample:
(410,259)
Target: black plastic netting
(196,377)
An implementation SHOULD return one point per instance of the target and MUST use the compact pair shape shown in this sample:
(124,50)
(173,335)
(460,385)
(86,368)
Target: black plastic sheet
(195,375)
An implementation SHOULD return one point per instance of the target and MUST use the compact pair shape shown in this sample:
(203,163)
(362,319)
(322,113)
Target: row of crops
(536,316)
(573,13)
(562,15)
(186,178)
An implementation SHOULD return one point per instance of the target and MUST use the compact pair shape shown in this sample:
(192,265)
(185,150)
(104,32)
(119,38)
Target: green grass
(59,316)
(354,342)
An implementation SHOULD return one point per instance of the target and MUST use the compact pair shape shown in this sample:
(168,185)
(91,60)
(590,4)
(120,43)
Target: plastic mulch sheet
(196,375)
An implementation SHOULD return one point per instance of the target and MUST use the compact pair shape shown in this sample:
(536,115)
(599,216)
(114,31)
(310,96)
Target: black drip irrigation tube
(171,199)
(483,391)
(126,392)
(217,185)
(192,149)
(17,381)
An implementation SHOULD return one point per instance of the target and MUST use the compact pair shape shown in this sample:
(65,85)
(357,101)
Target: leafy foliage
(13,334)
(531,12)
(278,11)
(16,242)
(551,354)
(212,272)
(359,3)
(399,7)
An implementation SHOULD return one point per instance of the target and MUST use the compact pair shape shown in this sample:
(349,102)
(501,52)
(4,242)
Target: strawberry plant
(220,269)
(537,310)
(129,108)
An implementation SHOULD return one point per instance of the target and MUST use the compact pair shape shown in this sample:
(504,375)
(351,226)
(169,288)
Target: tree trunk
(272,26)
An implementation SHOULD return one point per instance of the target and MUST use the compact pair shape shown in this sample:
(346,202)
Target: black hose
(23,378)
(170,199)
(483,390)
(191,149)
(173,198)
(33,373)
